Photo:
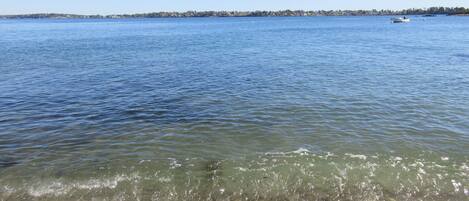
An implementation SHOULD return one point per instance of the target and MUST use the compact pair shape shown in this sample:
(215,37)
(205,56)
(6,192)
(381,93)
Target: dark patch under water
(464,56)
(4,163)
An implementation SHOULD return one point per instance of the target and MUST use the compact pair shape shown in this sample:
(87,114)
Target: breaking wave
(296,175)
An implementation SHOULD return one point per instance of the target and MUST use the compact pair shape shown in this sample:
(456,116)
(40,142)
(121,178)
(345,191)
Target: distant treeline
(428,11)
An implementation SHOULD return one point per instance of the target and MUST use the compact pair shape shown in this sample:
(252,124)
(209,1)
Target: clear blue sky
(139,6)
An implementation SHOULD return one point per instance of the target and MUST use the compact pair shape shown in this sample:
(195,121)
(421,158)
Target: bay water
(274,108)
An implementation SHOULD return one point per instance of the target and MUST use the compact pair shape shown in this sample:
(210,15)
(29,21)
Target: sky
(142,6)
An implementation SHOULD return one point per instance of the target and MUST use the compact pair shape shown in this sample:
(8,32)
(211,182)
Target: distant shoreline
(458,11)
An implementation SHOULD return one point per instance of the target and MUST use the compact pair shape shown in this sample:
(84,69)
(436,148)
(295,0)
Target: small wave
(304,175)
(7,190)
(359,156)
(300,151)
(397,158)
(242,169)
(462,55)
(5,163)
(58,188)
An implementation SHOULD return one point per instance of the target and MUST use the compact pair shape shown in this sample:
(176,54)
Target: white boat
(400,20)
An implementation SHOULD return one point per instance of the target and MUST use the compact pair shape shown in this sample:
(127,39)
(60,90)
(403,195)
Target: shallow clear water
(301,108)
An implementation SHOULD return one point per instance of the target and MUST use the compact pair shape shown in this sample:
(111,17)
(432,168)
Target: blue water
(304,108)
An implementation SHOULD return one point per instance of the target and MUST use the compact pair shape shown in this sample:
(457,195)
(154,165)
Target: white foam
(164,179)
(328,154)
(422,171)
(456,185)
(242,169)
(60,188)
(7,190)
(143,161)
(397,158)
(274,153)
(173,164)
(359,156)
(105,183)
(417,164)
(444,158)
(464,167)
(301,151)
(55,188)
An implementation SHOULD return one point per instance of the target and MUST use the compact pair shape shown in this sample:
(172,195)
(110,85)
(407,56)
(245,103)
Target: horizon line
(252,11)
